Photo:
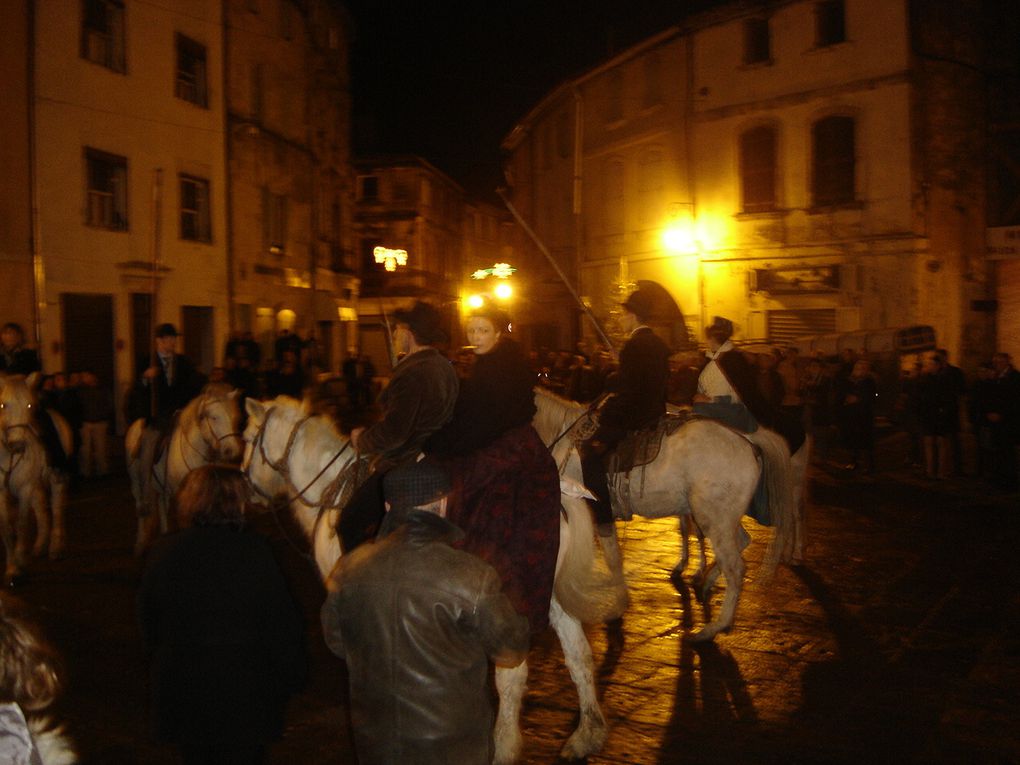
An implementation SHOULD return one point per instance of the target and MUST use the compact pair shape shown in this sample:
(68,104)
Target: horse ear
(234,393)
(254,407)
(306,405)
(32,380)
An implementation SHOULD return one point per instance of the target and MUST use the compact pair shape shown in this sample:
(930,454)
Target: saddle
(641,447)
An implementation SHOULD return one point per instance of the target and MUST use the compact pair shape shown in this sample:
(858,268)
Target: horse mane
(553,414)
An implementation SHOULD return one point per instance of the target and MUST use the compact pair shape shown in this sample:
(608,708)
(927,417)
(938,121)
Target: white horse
(293,454)
(207,430)
(27,476)
(705,470)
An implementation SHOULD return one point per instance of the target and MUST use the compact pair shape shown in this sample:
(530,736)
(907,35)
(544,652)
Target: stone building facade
(801,167)
(184,162)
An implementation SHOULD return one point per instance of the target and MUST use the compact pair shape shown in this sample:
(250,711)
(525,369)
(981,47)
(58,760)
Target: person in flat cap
(417,623)
(168,382)
(728,391)
(417,402)
(638,401)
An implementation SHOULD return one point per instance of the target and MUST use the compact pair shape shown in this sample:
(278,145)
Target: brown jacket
(417,623)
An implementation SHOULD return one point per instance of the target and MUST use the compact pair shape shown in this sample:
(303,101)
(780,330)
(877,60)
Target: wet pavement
(896,641)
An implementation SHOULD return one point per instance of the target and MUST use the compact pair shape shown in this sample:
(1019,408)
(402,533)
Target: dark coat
(418,401)
(20,361)
(417,623)
(226,637)
(172,396)
(497,396)
(639,397)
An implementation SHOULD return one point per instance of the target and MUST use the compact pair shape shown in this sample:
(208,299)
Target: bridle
(206,434)
(329,494)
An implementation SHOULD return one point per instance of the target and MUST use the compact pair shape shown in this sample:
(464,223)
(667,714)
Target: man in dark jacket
(417,402)
(417,623)
(638,400)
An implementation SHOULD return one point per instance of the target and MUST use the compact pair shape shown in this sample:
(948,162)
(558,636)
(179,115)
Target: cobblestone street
(895,642)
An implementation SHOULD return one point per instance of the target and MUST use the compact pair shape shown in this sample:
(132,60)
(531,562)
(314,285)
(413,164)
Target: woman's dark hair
(494,314)
(14,326)
(213,495)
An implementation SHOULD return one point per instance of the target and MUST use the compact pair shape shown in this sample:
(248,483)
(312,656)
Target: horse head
(18,404)
(219,420)
(265,443)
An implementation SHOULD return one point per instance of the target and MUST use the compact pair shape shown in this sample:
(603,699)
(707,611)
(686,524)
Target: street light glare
(475,301)
(504,291)
(679,239)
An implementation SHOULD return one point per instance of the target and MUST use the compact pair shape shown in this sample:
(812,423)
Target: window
(832,141)
(369,188)
(830,23)
(757,45)
(102,33)
(758,169)
(274,222)
(190,84)
(651,188)
(106,195)
(196,220)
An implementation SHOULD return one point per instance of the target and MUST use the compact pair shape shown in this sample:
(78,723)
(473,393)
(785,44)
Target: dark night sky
(447,79)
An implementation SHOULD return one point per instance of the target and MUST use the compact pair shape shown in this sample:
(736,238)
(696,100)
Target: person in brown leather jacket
(417,623)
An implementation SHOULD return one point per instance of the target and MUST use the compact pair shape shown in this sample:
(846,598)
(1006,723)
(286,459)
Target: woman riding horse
(506,486)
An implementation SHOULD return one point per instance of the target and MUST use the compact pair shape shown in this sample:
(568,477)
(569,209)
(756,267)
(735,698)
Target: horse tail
(779,483)
(588,592)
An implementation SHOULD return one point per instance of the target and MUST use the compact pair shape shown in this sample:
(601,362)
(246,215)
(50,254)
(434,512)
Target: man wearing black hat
(417,402)
(417,622)
(169,382)
(638,401)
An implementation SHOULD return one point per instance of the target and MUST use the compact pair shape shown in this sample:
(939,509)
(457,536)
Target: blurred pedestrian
(15,358)
(96,412)
(855,415)
(817,392)
(979,405)
(31,680)
(1003,417)
(789,370)
(417,623)
(938,411)
(227,642)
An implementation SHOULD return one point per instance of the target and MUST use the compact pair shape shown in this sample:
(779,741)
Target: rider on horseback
(638,401)
(727,390)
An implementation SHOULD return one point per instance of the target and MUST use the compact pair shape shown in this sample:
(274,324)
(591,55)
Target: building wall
(135,115)
(907,249)
(289,137)
(15,203)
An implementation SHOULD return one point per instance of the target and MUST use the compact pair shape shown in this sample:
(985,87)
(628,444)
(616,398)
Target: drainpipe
(38,267)
(228,196)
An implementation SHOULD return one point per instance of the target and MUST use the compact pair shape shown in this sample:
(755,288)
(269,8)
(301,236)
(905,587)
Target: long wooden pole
(157,214)
(556,267)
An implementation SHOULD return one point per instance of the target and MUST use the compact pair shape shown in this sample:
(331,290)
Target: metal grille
(784,326)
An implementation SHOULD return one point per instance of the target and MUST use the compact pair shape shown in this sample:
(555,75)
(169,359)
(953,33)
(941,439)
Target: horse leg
(592,729)
(728,543)
(685,547)
(511,682)
(37,501)
(13,567)
(58,502)
(611,552)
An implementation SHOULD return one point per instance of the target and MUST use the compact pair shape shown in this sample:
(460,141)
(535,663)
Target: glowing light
(679,238)
(390,258)
(499,270)
(503,291)
(475,301)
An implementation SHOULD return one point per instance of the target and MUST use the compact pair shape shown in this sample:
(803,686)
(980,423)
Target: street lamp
(681,237)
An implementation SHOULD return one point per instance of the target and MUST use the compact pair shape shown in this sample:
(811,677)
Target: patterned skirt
(506,498)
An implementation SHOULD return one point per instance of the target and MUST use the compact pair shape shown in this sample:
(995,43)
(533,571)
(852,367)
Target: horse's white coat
(207,430)
(705,470)
(581,593)
(26,477)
